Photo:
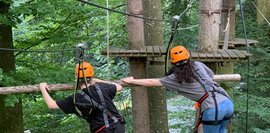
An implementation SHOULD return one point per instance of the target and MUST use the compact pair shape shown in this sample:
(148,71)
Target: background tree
(11,117)
(157,95)
(263,6)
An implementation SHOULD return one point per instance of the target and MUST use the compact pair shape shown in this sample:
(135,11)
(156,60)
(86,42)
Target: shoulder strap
(101,106)
(106,112)
(105,116)
(206,85)
(199,74)
(91,100)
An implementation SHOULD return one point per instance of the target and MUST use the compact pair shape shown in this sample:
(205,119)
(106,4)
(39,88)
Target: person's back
(93,102)
(194,81)
(93,115)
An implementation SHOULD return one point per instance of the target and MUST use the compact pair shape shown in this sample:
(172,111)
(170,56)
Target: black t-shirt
(95,119)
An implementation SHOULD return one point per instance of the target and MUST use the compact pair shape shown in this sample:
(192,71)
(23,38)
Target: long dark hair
(184,72)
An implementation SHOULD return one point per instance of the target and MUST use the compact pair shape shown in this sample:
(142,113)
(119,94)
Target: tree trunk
(209,25)
(156,95)
(227,67)
(209,31)
(11,117)
(140,109)
(263,6)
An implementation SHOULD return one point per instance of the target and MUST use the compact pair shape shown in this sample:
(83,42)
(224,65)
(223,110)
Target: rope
(261,14)
(46,37)
(123,13)
(108,40)
(189,27)
(37,51)
(227,31)
(175,26)
(248,67)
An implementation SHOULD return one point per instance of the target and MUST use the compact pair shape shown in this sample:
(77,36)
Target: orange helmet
(179,53)
(87,71)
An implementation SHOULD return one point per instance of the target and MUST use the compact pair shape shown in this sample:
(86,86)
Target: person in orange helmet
(93,102)
(194,80)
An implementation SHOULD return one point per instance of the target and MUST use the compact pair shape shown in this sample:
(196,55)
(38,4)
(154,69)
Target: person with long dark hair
(194,80)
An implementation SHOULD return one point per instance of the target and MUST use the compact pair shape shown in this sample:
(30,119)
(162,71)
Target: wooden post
(209,25)
(227,67)
(209,31)
(156,95)
(140,109)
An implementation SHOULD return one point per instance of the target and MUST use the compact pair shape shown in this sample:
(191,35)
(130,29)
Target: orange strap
(196,105)
(100,129)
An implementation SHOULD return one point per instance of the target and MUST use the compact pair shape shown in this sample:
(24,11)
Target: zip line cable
(50,33)
(98,6)
(108,39)
(37,51)
(175,26)
(108,9)
(118,6)
(123,13)
(248,66)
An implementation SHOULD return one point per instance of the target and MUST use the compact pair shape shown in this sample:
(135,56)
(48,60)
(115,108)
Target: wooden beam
(227,77)
(65,87)
(34,88)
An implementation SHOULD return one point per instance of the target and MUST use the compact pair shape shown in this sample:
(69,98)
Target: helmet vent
(178,52)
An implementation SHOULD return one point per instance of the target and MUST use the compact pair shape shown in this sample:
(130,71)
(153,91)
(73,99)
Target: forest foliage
(58,25)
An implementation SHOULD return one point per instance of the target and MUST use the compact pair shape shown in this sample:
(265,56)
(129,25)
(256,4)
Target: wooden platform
(157,51)
(238,42)
(149,51)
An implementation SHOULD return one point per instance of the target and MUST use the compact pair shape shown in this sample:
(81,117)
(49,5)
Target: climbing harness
(209,86)
(94,104)
(85,71)
(99,106)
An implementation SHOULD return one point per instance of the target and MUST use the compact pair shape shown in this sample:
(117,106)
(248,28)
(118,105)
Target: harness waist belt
(214,122)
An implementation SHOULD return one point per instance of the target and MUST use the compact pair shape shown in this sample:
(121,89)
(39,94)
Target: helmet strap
(83,80)
(182,62)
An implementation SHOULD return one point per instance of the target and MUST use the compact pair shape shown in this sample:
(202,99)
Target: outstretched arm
(118,86)
(47,98)
(142,82)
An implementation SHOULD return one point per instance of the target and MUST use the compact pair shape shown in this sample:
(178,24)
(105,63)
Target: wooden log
(65,87)
(227,77)
(34,88)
